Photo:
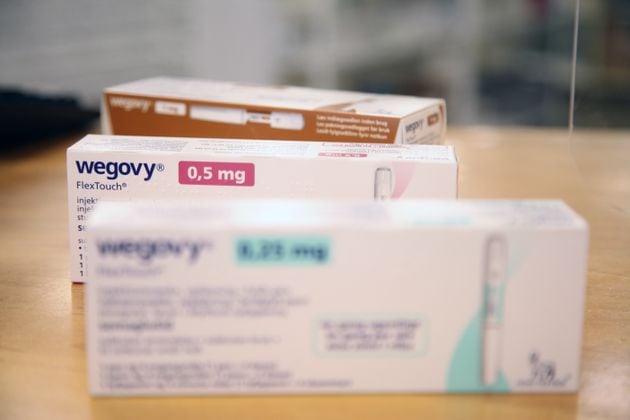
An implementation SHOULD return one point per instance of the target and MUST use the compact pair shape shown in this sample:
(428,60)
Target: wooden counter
(42,357)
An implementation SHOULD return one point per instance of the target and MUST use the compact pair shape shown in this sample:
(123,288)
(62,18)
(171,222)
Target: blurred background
(498,62)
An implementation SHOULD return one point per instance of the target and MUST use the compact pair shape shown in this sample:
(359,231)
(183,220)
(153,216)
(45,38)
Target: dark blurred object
(27,119)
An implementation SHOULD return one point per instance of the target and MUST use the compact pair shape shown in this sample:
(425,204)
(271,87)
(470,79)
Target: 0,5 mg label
(281,250)
(229,174)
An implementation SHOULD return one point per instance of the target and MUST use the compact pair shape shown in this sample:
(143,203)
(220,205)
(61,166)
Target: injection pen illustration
(239,116)
(383,184)
(495,270)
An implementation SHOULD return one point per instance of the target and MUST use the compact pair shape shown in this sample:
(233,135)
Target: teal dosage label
(282,250)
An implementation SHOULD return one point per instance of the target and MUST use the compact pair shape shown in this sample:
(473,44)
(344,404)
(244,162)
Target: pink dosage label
(229,174)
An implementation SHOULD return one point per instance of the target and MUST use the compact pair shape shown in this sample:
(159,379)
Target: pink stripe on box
(342,154)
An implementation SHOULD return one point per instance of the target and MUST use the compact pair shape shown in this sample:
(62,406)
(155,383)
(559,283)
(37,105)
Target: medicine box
(258,297)
(128,168)
(167,106)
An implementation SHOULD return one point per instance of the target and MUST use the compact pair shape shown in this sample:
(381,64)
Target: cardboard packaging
(257,297)
(128,168)
(180,107)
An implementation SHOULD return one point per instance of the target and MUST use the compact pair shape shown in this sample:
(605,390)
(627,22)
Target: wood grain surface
(42,357)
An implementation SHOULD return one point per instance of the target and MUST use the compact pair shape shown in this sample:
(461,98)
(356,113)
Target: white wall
(81,46)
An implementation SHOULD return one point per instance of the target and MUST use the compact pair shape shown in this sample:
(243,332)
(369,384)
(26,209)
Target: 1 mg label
(282,250)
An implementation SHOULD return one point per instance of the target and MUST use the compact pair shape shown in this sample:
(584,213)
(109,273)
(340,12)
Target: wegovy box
(167,106)
(128,168)
(339,297)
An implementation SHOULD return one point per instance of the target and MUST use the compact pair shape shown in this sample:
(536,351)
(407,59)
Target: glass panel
(601,140)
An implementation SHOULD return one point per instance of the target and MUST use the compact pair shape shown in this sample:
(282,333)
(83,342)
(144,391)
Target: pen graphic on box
(383,184)
(239,116)
(494,275)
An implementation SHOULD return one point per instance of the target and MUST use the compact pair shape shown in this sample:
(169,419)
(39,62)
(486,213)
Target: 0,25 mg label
(282,250)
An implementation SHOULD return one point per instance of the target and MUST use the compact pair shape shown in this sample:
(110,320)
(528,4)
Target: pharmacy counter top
(42,356)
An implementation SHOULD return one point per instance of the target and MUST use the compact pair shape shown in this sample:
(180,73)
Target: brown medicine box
(166,106)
